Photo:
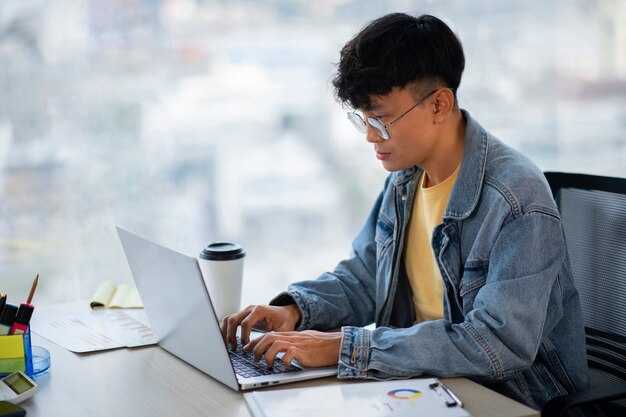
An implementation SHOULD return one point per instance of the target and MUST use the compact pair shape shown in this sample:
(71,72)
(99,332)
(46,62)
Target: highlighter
(7,318)
(22,318)
(3,301)
(25,312)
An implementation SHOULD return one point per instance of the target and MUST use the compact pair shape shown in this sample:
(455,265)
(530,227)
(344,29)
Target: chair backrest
(593,212)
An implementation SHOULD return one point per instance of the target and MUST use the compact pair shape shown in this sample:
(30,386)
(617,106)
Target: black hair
(397,50)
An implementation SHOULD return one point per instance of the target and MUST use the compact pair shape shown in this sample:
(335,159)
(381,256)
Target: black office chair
(593,212)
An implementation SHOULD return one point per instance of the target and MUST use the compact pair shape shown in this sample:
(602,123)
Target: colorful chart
(404,394)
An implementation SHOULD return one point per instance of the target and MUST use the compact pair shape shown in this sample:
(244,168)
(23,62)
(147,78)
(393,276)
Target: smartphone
(11,410)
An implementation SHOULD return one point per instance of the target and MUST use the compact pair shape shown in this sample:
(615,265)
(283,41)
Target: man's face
(412,138)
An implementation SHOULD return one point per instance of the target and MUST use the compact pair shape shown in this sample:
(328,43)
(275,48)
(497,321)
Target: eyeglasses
(377,124)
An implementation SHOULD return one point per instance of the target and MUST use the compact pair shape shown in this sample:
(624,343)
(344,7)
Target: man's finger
(290,354)
(248,323)
(273,349)
(261,344)
(224,327)
(232,322)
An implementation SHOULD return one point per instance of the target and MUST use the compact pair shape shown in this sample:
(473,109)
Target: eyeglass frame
(377,124)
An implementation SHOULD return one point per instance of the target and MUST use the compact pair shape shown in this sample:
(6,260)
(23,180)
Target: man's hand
(310,348)
(270,318)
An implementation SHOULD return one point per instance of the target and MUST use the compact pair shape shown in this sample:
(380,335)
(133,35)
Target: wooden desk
(149,381)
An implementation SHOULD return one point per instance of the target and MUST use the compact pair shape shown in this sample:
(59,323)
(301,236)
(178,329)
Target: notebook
(180,312)
(112,295)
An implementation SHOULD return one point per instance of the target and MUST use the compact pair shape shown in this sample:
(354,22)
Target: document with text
(79,329)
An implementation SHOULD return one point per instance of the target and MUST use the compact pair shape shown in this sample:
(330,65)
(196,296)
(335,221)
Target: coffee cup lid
(222,251)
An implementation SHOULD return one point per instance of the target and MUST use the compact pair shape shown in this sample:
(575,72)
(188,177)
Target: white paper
(78,328)
(402,398)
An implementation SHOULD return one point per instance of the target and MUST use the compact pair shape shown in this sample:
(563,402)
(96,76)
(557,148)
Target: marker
(25,312)
(3,301)
(7,317)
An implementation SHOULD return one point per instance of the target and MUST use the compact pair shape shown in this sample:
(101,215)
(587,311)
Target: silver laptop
(180,312)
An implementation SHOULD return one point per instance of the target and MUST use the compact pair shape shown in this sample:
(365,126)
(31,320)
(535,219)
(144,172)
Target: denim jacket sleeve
(501,331)
(345,295)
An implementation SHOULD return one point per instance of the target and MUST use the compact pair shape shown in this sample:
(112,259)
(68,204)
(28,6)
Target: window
(191,121)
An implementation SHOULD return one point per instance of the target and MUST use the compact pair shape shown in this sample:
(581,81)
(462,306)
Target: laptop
(180,312)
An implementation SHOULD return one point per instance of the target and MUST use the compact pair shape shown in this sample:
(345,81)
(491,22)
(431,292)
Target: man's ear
(443,105)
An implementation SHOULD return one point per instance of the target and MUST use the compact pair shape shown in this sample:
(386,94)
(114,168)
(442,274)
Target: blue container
(34,360)
(28,351)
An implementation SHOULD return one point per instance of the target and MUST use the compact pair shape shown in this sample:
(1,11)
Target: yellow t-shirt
(419,258)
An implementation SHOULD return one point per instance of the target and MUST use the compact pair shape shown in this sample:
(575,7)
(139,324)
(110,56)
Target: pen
(25,312)
(7,317)
(32,290)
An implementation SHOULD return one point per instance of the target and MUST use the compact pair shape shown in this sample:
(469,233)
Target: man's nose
(372,135)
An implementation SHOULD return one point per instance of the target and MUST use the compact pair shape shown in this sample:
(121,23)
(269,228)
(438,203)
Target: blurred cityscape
(190,121)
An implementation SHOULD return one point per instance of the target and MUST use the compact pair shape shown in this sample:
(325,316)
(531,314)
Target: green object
(11,410)
(10,365)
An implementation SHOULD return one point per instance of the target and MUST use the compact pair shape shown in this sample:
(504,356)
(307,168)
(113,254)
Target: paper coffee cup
(221,264)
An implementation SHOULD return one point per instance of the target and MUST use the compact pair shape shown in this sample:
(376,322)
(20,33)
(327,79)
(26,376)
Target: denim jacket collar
(466,191)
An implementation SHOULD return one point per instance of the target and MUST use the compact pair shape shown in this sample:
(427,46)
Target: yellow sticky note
(12,356)
(12,346)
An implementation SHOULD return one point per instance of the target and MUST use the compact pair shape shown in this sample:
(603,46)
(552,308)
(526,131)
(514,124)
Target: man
(462,262)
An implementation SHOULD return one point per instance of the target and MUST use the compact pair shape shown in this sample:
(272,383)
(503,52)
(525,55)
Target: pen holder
(16,354)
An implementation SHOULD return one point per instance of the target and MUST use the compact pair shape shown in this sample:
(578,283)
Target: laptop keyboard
(244,364)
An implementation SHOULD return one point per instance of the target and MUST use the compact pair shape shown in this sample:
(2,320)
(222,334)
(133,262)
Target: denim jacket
(512,318)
